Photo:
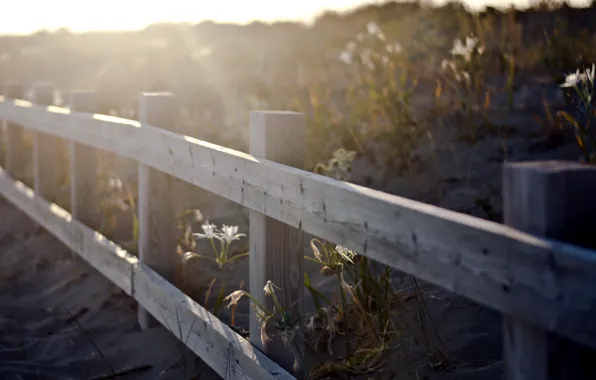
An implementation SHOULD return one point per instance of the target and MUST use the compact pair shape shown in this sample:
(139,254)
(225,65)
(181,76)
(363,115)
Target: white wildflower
(269,288)
(446,64)
(375,30)
(573,79)
(395,48)
(115,183)
(471,45)
(209,231)
(345,253)
(346,57)
(234,297)
(230,233)
(576,78)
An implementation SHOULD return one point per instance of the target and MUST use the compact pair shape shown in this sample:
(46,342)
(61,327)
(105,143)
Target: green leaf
(317,296)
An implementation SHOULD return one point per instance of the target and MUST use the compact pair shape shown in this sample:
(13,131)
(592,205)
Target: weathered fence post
(14,148)
(276,249)
(84,202)
(48,168)
(552,199)
(157,227)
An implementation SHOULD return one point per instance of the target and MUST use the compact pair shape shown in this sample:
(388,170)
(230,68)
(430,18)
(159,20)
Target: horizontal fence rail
(228,353)
(547,282)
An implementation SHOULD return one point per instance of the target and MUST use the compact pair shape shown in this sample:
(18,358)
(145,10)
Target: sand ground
(60,319)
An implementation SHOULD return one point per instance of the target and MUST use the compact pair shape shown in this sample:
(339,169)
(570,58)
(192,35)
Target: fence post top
(550,166)
(157,94)
(83,93)
(266,112)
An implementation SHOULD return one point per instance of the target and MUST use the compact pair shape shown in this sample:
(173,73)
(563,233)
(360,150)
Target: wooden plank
(524,350)
(230,355)
(157,212)
(552,199)
(495,265)
(84,198)
(48,168)
(277,249)
(105,256)
(15,158)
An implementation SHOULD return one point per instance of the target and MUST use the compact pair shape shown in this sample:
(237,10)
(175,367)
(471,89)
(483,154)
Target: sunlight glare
(79,15)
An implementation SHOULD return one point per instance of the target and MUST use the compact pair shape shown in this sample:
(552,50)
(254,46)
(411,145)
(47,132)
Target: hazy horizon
(27,16)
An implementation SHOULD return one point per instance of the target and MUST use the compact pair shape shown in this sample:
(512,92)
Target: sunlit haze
(25,16)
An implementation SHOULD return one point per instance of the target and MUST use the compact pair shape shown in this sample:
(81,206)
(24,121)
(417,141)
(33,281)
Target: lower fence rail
(228,353)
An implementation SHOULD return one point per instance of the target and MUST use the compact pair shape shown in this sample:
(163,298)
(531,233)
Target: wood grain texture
(555,200)
(229,354)
(157,212)
(14,153)
(496,265)
(84,197)
(48,168)
(277,249)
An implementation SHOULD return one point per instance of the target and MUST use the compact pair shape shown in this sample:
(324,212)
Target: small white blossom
(395,48)
(209,231)
(375,30)
(576,78)
(345,253)
(573,79)
(471,45)
(234,297)
(230,233)
(269,291)
(115,183)
(346,57)
(446,64)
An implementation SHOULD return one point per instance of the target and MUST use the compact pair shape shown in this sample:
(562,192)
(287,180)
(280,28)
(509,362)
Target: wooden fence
(528,270)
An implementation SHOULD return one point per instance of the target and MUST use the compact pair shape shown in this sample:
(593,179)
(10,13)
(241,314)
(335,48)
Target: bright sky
(25,16)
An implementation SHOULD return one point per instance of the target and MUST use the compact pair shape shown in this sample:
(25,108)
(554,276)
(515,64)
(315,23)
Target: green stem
(214,249)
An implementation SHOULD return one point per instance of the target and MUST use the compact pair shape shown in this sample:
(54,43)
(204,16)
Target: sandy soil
(60,319)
